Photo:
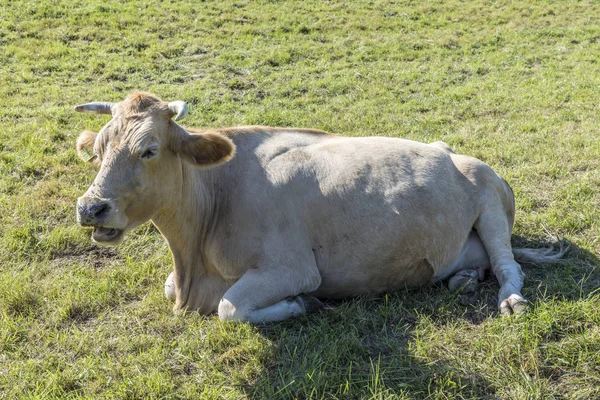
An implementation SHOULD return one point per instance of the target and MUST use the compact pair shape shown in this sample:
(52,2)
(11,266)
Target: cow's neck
(186,223)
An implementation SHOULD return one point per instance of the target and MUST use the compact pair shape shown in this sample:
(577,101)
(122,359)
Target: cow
(263,222)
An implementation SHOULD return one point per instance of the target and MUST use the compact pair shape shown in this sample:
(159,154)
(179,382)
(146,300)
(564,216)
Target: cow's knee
(170,287)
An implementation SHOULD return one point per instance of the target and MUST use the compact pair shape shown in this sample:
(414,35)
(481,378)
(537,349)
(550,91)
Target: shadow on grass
(369,347)
(575,277)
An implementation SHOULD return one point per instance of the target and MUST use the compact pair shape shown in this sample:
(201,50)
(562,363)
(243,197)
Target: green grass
(513,83)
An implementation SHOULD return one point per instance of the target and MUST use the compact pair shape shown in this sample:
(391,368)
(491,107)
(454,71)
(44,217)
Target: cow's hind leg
(270,295)
(494,230)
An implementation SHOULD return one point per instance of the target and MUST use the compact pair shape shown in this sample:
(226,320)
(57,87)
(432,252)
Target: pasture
(514,84)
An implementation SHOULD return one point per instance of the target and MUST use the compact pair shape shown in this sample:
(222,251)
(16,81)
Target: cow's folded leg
(285,309)
(270,296)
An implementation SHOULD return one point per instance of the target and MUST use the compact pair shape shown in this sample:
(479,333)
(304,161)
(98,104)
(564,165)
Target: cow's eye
(151,152)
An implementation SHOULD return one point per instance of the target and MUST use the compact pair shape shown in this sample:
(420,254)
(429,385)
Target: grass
(515,84)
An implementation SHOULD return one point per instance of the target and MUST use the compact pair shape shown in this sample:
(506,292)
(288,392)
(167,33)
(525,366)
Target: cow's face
(139,153)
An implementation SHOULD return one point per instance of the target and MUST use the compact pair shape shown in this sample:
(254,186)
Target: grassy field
(513,83)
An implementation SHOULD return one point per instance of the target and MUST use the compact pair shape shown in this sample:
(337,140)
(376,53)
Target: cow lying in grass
(263,221)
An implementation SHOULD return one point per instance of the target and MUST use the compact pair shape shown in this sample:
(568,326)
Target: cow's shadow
(370,345)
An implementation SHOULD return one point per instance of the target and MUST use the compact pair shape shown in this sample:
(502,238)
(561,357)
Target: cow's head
(139,152)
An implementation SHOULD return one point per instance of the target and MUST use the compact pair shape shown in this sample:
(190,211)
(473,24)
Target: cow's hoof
(464,281)
(514,304)
(310,303)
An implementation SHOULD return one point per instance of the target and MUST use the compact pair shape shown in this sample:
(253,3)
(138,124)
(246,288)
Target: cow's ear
(206,149)
(85,147)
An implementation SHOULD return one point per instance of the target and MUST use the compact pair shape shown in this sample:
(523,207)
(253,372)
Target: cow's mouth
(106,235)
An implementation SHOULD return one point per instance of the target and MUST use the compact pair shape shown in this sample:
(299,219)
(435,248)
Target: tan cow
(296,214)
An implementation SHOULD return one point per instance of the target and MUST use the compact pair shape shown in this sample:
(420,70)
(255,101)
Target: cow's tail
(544,255)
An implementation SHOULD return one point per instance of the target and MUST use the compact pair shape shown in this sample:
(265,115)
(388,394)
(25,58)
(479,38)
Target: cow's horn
(179,109)
(98,107)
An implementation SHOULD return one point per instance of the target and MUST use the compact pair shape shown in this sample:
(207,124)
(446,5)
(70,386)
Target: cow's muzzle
(100,214)
(93,211)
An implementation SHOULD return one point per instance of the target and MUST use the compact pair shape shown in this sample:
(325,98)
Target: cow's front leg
(291,307)
(271,295)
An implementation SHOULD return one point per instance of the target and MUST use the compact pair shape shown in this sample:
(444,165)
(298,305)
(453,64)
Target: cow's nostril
(99,210)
